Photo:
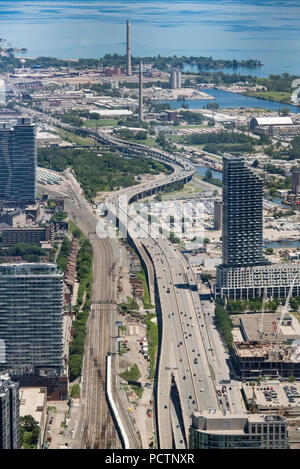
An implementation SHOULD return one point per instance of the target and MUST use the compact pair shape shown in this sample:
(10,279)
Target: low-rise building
(33,401)
(213,430)
(27,235)
(250,282)
(14,218)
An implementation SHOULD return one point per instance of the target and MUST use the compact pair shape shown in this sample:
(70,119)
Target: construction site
(268,345)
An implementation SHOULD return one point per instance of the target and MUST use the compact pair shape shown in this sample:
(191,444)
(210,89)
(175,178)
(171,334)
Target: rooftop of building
(29,268)
(268,351)
(234,424)
(33,402)
(278,120)
(250,324)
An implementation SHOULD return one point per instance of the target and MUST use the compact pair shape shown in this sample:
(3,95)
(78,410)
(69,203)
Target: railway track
(96,427)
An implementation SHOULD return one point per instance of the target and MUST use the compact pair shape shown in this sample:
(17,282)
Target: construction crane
(283,312)
(261,321)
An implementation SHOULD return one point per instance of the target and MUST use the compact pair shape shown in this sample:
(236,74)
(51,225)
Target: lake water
(236,29)
(201,170)
(260,72)
(226,99)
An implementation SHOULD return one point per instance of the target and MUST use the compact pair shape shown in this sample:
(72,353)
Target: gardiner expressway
(184,360)
(184,356)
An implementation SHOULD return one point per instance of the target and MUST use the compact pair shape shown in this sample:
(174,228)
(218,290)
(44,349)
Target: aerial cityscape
(149,228)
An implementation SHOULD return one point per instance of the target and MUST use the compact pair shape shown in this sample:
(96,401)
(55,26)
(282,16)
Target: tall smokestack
(128,51)
(141,113)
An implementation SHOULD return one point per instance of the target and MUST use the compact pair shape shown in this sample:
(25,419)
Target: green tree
(212,106)
(284,111)
(29,432)
(294,304)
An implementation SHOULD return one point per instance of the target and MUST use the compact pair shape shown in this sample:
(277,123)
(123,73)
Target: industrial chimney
(128,52)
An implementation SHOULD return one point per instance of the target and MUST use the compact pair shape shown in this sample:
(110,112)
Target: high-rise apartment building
(31,319)
(242,234)
(9,413)
(18,159)
(244,272)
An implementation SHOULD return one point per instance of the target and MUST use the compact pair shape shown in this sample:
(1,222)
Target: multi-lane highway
(184,352)
(190,354)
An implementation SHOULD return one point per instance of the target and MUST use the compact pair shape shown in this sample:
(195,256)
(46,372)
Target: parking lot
(270,395)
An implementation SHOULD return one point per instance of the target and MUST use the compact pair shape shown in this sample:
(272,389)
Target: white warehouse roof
(113,112)
(272,120)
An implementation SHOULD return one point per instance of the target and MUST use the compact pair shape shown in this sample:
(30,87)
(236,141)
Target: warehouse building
(274,125)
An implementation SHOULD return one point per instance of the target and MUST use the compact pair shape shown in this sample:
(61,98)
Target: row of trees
(218,138)
(62,259)
(127,134)
(29,252)
(224,322)
(255,304)
(85,277)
